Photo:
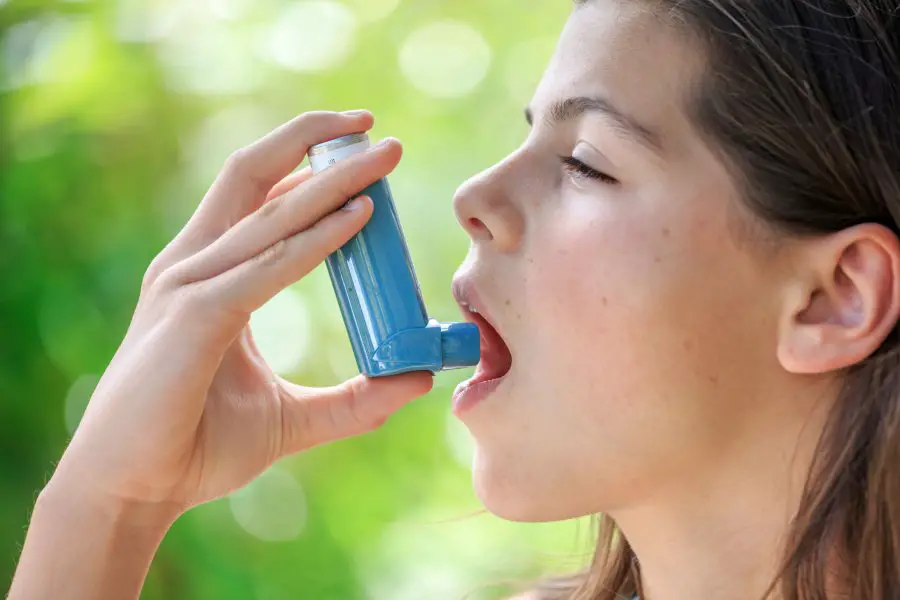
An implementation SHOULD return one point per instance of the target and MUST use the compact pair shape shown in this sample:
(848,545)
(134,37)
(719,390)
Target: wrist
(78,500)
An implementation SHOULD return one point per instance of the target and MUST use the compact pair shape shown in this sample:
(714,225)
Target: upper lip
(466,294)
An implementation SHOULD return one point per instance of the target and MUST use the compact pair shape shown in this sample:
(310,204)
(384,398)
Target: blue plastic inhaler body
(379,294)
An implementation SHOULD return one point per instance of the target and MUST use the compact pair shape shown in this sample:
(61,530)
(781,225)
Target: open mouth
(496,359)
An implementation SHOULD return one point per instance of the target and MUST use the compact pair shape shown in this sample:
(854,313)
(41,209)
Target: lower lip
(470,395)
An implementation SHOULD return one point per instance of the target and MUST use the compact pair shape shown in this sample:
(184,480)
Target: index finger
(251,172)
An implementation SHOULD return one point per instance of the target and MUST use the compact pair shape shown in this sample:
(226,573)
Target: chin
(513,495)
(516,488)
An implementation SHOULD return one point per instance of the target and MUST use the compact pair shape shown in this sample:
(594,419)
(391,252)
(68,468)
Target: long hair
(801,100)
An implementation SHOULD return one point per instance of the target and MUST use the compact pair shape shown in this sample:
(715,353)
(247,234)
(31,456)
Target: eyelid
(590,155)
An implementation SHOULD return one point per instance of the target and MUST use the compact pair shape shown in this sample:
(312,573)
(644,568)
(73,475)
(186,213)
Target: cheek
(643,305)
(595,281)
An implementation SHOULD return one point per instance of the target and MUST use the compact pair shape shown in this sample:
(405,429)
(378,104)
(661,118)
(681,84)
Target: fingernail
(353,113)
(353,204)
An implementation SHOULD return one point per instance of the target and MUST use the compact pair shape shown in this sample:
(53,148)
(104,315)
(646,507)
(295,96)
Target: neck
(721,534)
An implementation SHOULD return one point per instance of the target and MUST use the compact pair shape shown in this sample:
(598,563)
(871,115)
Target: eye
(579,169)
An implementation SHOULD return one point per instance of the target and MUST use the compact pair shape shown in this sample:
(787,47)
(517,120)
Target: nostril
(477,227)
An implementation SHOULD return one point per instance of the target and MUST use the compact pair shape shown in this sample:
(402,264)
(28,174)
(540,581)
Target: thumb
(313,416)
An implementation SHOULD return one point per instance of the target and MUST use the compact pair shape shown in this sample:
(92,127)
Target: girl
(688,282)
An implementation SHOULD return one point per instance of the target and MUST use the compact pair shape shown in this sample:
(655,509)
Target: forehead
(623,51)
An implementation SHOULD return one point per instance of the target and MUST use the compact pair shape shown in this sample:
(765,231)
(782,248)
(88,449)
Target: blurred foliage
(115,115)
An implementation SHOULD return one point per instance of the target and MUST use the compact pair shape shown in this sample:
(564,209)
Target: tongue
(495,356)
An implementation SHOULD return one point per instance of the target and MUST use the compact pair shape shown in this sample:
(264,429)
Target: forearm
(80,547)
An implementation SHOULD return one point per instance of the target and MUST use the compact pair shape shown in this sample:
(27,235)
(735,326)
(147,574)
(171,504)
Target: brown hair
(801,99)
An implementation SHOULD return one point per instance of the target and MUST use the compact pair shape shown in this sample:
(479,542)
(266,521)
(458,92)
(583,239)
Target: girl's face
(639,313)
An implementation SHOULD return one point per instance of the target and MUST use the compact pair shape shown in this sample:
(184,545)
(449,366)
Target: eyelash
(579,169)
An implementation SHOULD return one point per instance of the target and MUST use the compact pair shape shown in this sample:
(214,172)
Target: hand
(188,410)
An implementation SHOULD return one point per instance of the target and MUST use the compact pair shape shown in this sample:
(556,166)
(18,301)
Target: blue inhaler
(379,294)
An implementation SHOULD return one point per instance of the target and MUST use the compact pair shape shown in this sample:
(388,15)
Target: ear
(844,302)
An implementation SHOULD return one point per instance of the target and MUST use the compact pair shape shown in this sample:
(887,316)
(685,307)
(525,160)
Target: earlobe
(846,300)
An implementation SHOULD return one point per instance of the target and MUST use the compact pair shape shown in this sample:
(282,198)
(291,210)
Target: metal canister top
(338,143)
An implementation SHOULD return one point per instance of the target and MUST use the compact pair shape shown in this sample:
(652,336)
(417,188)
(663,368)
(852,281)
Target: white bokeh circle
(311,36)
(272,508)
(445,59)
(282,331)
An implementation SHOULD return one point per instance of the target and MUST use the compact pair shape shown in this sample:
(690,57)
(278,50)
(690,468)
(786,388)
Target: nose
(487,208)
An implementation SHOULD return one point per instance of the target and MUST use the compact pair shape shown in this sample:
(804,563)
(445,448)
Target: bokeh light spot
(408,565)
(423,581)
(374,10)
(311,36)
(445,59)
(228,10)
(147,20)
(272,507)
(281,329)
(206,57)
(77,399)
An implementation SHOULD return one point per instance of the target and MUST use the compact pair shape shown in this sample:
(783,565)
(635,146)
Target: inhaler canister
(378,292)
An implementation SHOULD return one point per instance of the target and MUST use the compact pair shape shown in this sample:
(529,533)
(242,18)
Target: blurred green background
(115,116)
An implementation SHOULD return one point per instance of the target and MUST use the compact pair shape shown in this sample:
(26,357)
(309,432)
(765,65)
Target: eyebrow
(626,126)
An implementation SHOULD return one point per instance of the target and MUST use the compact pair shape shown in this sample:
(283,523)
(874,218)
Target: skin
(672,367)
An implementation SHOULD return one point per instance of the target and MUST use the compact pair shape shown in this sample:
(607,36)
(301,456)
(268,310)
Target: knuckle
(273,255)
(309,118)
(153,272)
(241,166)
(170,279)
(270,208)
(238,162)
(160,278)
(203,307)
(164,284)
